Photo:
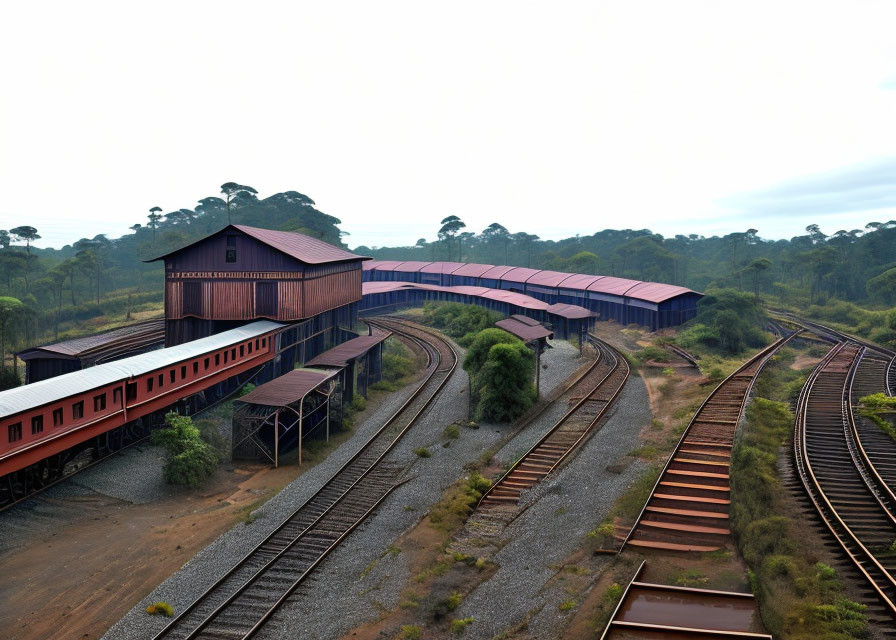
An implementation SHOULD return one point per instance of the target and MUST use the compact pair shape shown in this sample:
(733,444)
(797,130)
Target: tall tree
(155,215)
(233,191)
(27,235)
(497,233)
(451,226)
(11,310)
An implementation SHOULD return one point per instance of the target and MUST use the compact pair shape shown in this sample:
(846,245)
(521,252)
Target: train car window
(250,346)
(132,391)
(57,417)
(217,359)
(116,396)
(256,343)
(242,350)
(226,353)
(264,343)
(230,256)
(172,375)
(206,363)
(99,402)
(161,380)
(183,372)
(149,382)
(37,425)
(233,354)
(15,432)
(196,367)
(78,410)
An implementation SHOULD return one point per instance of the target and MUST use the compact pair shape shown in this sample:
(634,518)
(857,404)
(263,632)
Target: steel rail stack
(688,507)
(840,482)
(599,386)
(244,599)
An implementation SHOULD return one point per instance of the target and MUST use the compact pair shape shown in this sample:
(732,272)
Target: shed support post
(301,411)
(538,368)
(328,418)
(276,438)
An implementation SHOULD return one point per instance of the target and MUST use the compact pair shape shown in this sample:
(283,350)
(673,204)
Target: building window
(231,249)
(15,432)
(196,367)
(149,382)
(57,417)
(37,425)
(99,402)
(78,410)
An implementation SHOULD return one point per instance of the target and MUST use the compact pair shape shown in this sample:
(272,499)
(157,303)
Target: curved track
(840,482)
(688,507)
(245,598)
(599,386)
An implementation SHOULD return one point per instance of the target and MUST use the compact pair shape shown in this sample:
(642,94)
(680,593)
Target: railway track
(599,387)
(688,507)
(239,603)
(660,611)
(841,480)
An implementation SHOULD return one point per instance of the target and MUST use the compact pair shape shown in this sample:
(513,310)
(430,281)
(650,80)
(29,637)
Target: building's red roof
(656,292)
(578,281)
(612,285)
(299,246)
(496,272)
(472,270)
(340,355)
(520,274)
(440,267)
(548,278)
(411,266)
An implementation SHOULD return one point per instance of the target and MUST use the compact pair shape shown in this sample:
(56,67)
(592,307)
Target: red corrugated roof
(548,278)
(526,332)
(520,274)
(301,247)
(288,388)
(472,270)
(656,292)
(411,266)
(496,272)
(579,281)
(511,297)
(532,322)
(441,267)
(612,285)
(340,355)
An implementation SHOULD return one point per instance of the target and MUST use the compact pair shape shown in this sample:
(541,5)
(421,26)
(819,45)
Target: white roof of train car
(43,392)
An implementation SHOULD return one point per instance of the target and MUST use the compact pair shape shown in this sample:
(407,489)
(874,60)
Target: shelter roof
(296,245)
(520,274)
(496,272)
(472,270)
(340,355)
(612,285)
(548,278)
(532,322)
(580,281)
(523,330)
(50,390)
(411,265)
(441,267)
(570,311)
(656,292)
(130,337)
(288,388)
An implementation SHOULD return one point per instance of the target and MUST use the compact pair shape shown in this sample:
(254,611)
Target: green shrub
(423,452)
(505,384)
(160,608)
(460,624)
(446,605)
(8,379)
(452,432)
(188,459)
(410,632)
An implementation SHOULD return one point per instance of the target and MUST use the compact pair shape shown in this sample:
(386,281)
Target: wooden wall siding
(251,255)
(174,299)
(232,300)
(329,292)
(290,300)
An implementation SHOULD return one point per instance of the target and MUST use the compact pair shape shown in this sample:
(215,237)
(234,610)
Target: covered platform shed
(279,414)
(533,333)
(359,363)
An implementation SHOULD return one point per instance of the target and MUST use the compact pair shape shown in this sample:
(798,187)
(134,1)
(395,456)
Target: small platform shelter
(358,363)
(279,413)
(533,333)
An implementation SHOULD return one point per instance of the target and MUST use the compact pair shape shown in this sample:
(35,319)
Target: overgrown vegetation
(160,608)
(800,598)
(460,321)
(875,407)
(501,370)
(398,366)
(189,460)
(727,321)
(450,513)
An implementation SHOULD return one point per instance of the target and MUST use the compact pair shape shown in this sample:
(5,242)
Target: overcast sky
(554,118)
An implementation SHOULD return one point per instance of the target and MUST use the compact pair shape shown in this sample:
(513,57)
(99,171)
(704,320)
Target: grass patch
(451,511)
(876,404)
(460,624)
(800,598)
(452,432)
(423,452)
(633,500)
(160,608)
(410,632)
(569,604)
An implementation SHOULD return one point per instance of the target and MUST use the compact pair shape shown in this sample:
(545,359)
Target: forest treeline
(45,292)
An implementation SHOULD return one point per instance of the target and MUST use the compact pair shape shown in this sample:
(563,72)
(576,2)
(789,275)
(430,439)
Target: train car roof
(44,392)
